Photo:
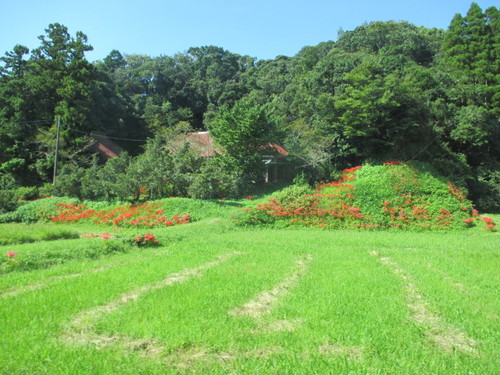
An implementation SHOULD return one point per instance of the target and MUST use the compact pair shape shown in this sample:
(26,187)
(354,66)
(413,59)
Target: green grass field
(216,299)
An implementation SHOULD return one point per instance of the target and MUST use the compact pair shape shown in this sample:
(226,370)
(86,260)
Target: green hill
(392,195)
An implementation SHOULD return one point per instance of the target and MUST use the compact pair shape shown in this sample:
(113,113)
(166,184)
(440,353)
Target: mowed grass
(282,302)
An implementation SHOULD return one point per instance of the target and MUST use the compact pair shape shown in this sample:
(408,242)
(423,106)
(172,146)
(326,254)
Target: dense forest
(384,91)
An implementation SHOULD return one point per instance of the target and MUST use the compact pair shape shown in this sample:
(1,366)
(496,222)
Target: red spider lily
(146,239)
(487,220)
(106,236)
(146,214)
(456,192)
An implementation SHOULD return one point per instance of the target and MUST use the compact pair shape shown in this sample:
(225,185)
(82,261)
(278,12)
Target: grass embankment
(391,196)
(294,301)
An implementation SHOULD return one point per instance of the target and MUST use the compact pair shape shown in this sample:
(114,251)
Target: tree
(242,131)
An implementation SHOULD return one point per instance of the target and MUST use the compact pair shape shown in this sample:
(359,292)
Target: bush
(219,178)
(9,199)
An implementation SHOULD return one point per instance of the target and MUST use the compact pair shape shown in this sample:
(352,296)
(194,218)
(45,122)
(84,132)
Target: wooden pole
(57,150)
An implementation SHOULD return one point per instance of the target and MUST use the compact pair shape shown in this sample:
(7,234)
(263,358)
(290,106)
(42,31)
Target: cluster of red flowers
(318,208)
(147,239)
(145,214)
(348,175)
(407,211)
(488,221)
(9,261)
(490,225)
(456,192)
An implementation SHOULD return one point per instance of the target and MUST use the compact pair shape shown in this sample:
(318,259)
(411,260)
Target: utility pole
(57,150)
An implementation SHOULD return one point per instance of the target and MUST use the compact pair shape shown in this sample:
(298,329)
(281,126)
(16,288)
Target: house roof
(276,149)
(106,147)
(203,143)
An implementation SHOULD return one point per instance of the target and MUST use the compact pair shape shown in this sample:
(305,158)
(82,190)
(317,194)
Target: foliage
(10,198)
(221,177)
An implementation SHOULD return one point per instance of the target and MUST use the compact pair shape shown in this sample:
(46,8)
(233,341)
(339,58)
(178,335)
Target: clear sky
(259,28)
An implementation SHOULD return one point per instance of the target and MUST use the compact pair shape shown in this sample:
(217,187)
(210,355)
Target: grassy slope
(348,305)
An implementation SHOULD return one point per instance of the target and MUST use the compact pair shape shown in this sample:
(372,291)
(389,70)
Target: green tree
(243,131)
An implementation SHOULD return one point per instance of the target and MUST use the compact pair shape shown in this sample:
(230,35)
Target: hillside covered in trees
(384,91)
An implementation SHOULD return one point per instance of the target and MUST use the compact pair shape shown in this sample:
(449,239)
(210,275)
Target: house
(273,155)
(105,147)
(200,142)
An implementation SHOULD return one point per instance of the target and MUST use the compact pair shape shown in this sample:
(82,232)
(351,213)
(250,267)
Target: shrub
(219,178)
(10,199)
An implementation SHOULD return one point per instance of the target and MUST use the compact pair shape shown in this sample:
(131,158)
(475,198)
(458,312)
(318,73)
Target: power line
(77,131)
(32,122)
(107,136)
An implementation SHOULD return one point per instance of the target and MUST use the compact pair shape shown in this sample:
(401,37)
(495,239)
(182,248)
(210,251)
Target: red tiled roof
(105,147)
(204,144)
(276,149)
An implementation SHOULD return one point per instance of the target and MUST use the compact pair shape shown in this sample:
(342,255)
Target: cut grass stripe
(263,303)
(81,329)
(446,336)
(14,292)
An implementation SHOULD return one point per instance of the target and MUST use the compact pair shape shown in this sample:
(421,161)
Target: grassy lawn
(215,299)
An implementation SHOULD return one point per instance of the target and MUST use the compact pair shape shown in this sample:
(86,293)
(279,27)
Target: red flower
(11,254)
(250,196)
(105,236)
(487,220)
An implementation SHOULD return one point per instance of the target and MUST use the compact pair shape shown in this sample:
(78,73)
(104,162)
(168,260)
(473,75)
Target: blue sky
(259,28)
